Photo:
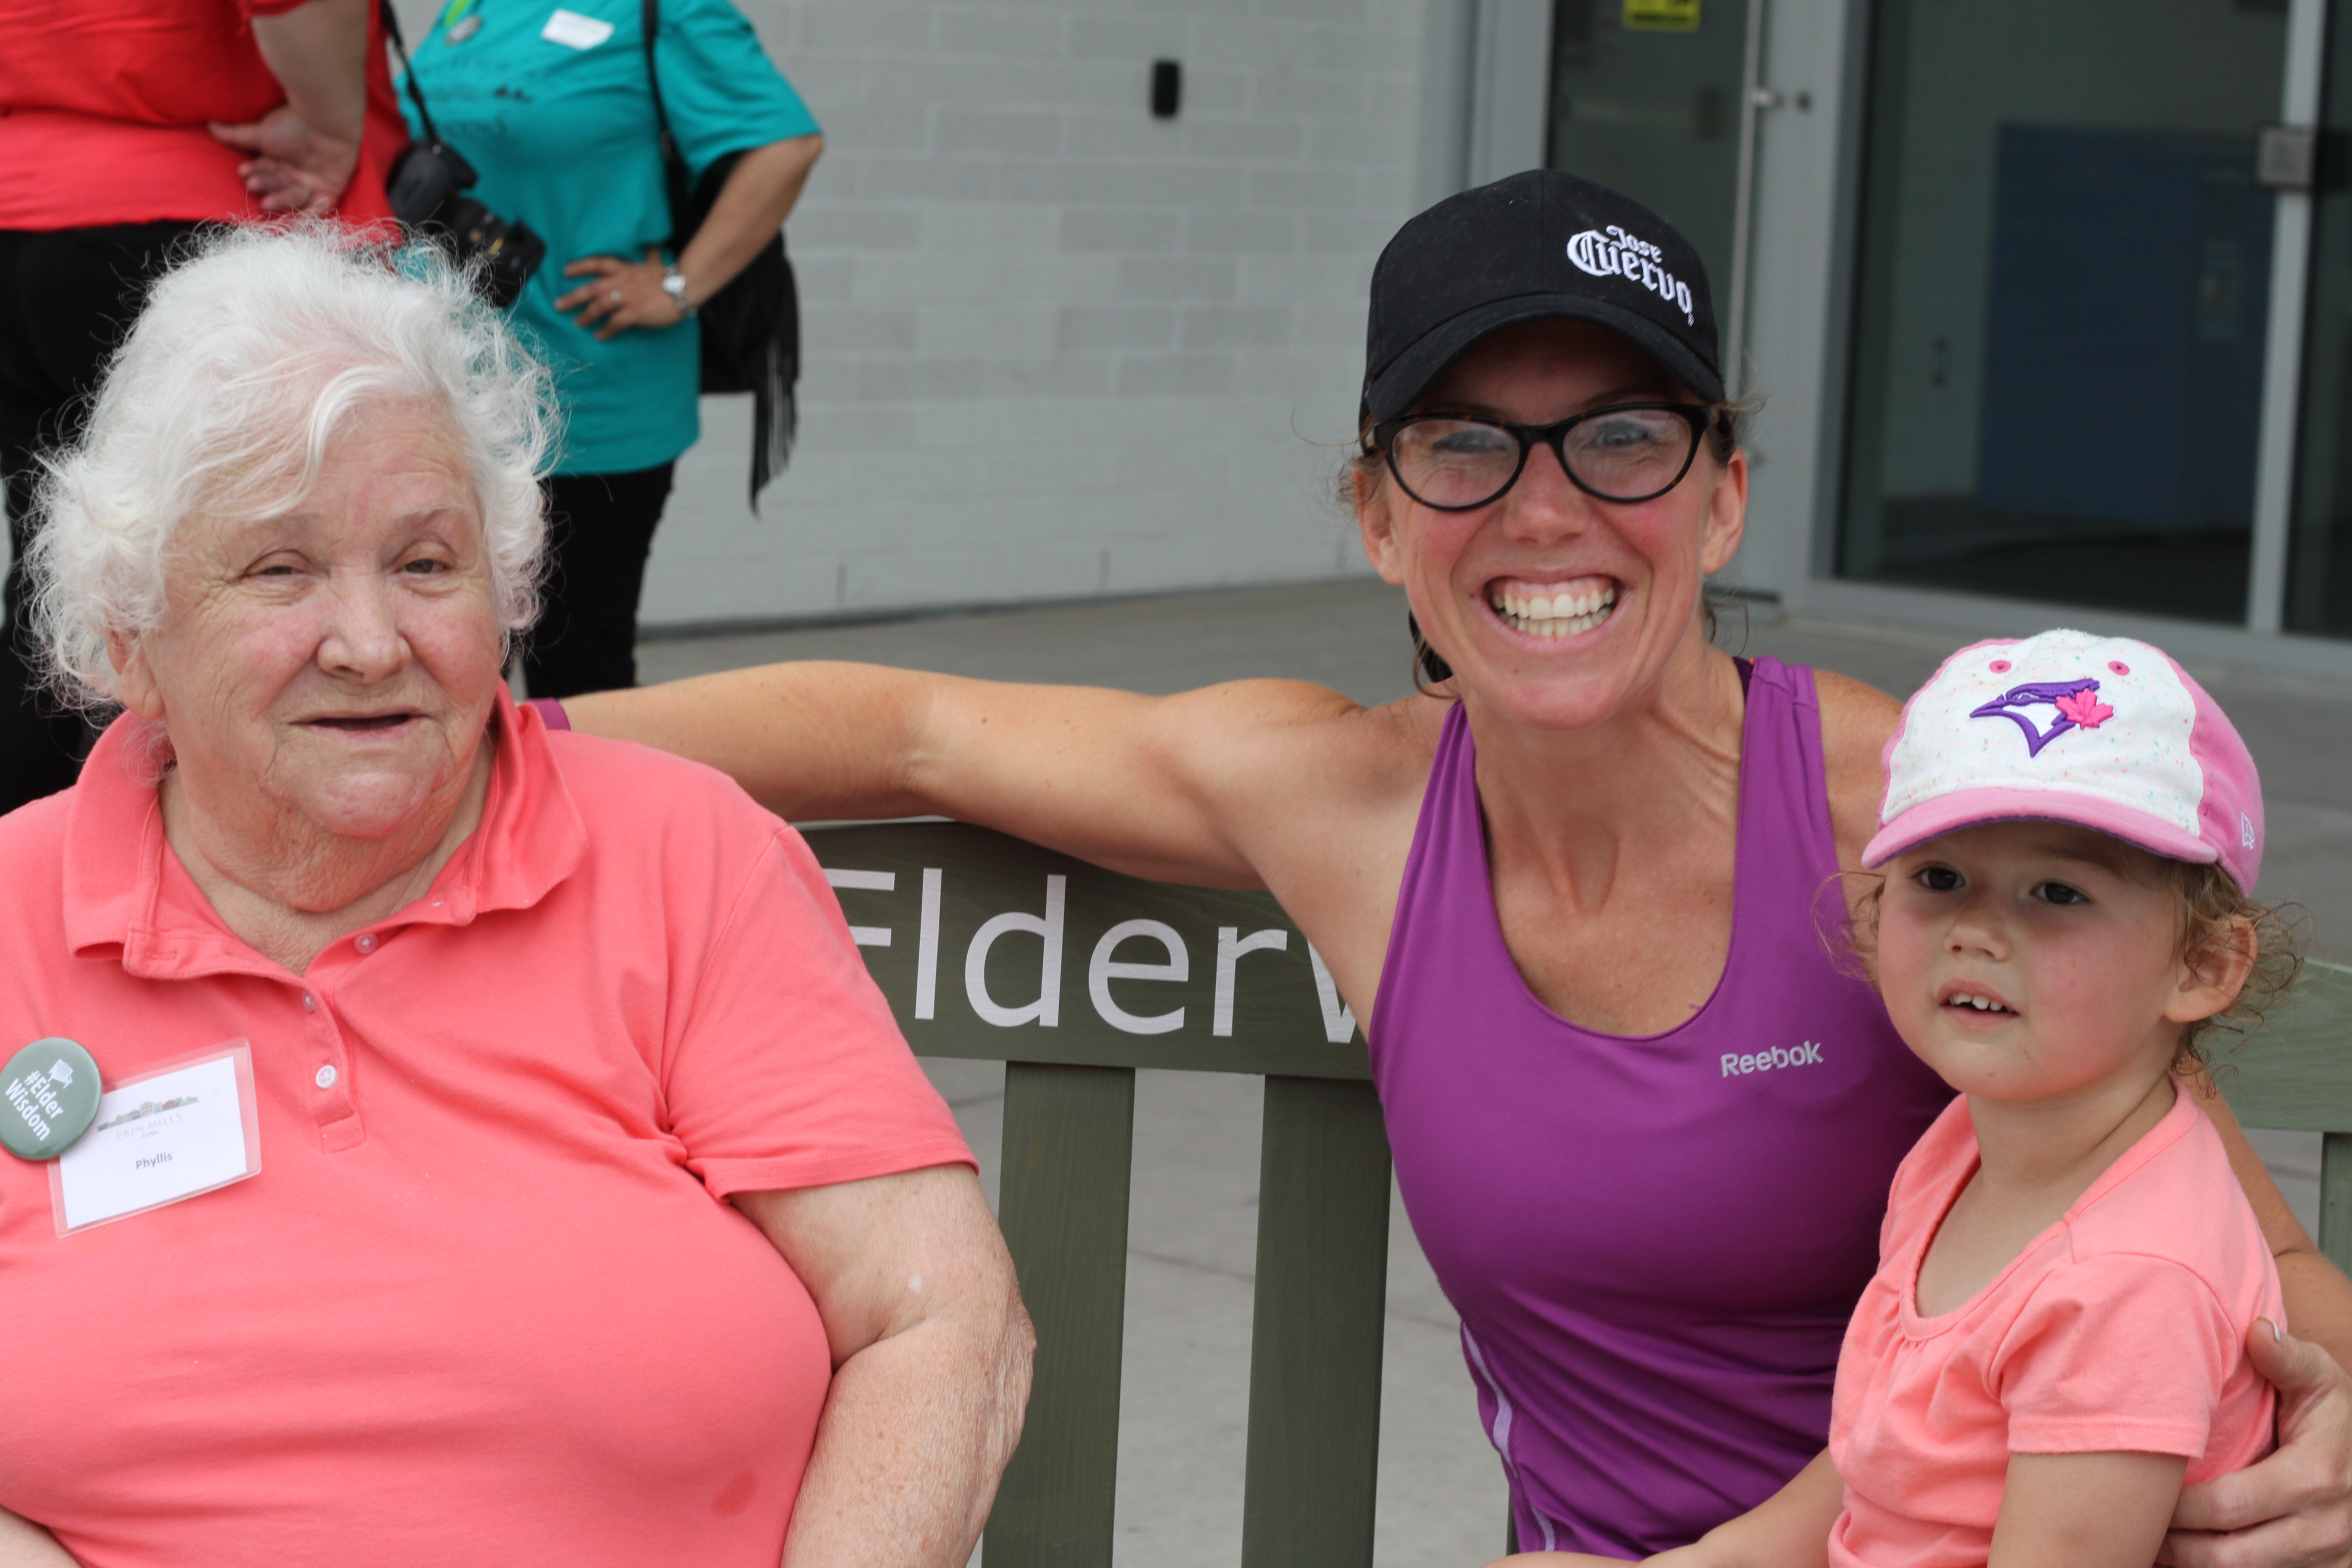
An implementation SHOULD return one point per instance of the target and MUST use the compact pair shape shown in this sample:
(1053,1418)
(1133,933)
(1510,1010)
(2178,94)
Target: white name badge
(579,32)
(188,1129)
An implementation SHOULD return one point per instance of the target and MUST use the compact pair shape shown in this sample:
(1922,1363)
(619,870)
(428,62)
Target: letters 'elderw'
(959,924)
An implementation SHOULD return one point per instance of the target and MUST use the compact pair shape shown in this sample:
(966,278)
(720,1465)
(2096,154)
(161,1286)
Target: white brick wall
(1056,347)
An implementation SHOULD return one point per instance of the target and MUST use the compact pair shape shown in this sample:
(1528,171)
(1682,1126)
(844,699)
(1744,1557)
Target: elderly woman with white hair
(440,1139)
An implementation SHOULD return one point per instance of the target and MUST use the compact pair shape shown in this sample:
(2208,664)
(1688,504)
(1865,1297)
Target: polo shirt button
(366,943)
(309,1003)
(326,1078)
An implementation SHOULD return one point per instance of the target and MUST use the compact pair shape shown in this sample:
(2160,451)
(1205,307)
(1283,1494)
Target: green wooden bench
(1073,976)
(2295,1074)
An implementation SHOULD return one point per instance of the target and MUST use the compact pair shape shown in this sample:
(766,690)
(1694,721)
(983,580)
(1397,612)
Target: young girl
(2054,1343)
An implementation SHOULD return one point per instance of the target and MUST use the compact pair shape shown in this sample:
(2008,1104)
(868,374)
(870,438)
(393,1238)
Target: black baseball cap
(1537,245)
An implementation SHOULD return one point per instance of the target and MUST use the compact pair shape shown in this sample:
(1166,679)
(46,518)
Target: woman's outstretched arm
(1172,787)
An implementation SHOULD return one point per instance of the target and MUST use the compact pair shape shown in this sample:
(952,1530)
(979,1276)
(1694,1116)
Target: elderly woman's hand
(930,1353)
(2295,1507)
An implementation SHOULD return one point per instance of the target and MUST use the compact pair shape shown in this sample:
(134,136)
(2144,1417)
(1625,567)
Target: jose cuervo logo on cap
(1613,253)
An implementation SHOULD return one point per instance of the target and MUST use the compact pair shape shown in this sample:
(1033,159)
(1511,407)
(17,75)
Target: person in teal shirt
(551,105)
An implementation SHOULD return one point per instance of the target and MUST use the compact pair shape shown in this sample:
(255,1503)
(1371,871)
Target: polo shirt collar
(126,891)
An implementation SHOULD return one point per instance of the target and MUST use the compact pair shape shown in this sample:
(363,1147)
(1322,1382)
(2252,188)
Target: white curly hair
(250,355)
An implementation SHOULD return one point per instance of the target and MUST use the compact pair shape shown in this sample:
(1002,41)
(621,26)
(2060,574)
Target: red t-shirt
(103,105)
(483,1301)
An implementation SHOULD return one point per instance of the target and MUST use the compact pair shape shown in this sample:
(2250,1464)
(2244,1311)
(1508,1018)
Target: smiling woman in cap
(1642,1123)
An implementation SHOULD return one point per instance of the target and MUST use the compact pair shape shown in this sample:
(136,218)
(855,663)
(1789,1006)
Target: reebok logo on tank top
(1806,1054)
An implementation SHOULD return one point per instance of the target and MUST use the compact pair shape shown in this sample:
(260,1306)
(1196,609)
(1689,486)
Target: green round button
(49,1098)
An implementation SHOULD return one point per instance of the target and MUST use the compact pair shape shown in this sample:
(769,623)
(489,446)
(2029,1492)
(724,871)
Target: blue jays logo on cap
(2077,702)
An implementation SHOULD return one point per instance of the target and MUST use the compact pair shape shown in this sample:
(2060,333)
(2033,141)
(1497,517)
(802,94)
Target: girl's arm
(1791,1529)
(2085,1510)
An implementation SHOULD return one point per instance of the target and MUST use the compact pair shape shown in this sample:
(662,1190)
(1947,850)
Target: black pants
(600,531)
(66,297)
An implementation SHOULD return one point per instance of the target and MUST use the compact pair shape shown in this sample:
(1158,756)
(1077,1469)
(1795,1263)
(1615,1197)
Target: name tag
(161,1139)
(578,31)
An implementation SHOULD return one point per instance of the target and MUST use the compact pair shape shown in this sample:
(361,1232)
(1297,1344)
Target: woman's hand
(295,168)
(749,209)
(2295,1507)
(622,294)
(305,150)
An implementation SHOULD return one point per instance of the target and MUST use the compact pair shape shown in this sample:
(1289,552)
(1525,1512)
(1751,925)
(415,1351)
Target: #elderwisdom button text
(49,1098)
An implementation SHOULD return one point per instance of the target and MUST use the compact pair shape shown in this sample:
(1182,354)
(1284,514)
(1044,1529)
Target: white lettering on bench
(869,882)
(927,949)
(1047,1009)
(1103,969)
(1339,1018)
(1231,945)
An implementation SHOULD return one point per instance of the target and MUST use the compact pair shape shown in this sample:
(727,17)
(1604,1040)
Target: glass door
(1648,96)
(2065,273)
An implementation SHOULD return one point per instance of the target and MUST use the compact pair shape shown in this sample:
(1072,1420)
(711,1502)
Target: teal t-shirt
(550,105)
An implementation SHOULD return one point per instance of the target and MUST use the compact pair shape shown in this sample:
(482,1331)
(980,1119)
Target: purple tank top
(1654,1243)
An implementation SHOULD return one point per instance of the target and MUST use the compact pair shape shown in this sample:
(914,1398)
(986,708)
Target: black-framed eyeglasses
(1626,452)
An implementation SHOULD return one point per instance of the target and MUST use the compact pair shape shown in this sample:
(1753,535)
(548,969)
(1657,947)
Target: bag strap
(407,70)
(677,178)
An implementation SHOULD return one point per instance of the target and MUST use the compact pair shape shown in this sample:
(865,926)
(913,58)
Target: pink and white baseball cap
(2105,732)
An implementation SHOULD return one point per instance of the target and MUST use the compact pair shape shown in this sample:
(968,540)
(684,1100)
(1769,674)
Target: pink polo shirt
(483,1303)
(2122,1328)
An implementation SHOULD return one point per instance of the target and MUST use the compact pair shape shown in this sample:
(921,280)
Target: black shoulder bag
(751,328)
(427,188)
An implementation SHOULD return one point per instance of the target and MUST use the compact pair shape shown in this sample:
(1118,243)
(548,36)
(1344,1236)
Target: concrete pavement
(1195,1209)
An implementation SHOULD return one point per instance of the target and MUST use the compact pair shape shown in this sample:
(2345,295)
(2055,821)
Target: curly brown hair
(2214,916)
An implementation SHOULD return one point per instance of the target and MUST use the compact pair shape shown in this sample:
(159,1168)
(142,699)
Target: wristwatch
(674,285)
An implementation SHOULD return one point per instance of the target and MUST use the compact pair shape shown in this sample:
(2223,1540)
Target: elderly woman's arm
(931,1354)
(24,1545)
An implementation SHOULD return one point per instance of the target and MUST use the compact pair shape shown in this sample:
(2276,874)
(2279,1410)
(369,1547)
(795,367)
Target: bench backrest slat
(2295,1072)
(1069,1137)
(1315,1344)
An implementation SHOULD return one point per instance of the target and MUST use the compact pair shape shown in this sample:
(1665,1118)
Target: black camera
(427,194)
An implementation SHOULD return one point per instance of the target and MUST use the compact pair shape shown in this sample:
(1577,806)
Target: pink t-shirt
(2121,1328)
(483,1302)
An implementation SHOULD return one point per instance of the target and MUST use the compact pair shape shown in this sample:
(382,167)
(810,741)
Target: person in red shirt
(123,125)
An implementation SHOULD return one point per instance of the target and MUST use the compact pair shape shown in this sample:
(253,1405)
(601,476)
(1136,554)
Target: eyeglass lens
(1619,454)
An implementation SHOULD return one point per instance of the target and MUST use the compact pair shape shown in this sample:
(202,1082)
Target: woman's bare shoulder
(1857,719)
(1285,757)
